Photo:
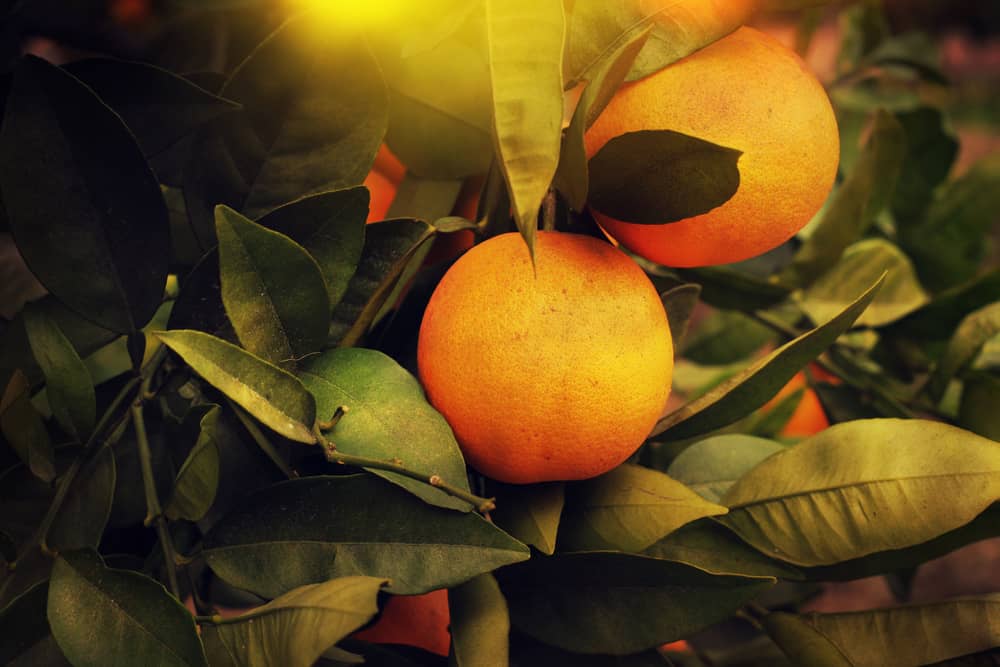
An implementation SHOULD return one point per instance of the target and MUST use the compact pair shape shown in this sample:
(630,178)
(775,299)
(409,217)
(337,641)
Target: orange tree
(216,445)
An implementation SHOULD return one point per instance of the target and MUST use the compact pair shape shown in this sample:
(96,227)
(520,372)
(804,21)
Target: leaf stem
(154,513)
(258,437)
(549,211)
(333,455)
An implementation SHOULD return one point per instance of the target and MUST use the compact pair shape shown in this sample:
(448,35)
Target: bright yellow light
(359,13)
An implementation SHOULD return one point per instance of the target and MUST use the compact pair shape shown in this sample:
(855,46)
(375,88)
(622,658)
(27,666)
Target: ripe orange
(555,372)
(809,417)
(413,620)
(747,92)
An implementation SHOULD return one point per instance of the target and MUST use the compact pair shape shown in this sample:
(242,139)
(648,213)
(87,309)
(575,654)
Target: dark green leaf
(616,603)
(275,397)
(847,492)
(969,338)
(802,643)
(947,246)
(710,546)
(25,638)
(143,623)
(424,198)
(628,509)
(930,152)
(726,287)
(68,384)
(81,199)
(854,205)
(911,635)
(24,430)
(387,418)
(861,264)
(526,36)
(528,652)
(479,624)
(977,409)
(199,305)
(531,512)
(745,392)
(158,106)
(679,303)
(300,132)
(938,319)
(709,467)
(317,528)
(595,28)
(85,511)
(331,227)
(670,176)
(273,291)
(198,479)
(389,247)
(296,628)
(572,177)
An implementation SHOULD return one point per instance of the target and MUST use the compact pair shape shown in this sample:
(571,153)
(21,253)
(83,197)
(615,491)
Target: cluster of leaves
(213,403)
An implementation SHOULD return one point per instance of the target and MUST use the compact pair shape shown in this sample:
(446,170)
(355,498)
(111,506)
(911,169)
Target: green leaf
(848,492)
(912,635)
(528,652)
(24,430)
(331,227)
(710,546)
(424,198)
(525,53)
(861,264)
(531,512)
(68,384)
(729,288)
(275,397)
(746,391)
(947,246)
(439,88)
(572,177)
(300,132)
(273,291)
(479,624)
(628,509)
(669,176)
(296,628)
(930,153)
(710,466)
(389,248)
(198,479)
(679,303)
(855,204)
(725,337)
(969,338)
(976,412)
(159,107)
(25,638)
(199,305)
(84,513)
(81,199)
(802,643)
(387,418)
(937,320)
(101,616)
(616,603)
(596,28)
(313,529)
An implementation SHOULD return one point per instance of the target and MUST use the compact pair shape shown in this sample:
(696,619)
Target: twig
(549,211)
(333,455)
(154,513)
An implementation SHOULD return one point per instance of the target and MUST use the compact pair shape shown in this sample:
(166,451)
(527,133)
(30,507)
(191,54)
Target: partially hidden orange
(413,620)
(748,92)
(552,372)
(809,416)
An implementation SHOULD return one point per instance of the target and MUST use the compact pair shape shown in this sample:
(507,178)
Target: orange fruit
(747,92)
(808,417)
(556,372)
(413,620)
(381,192)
